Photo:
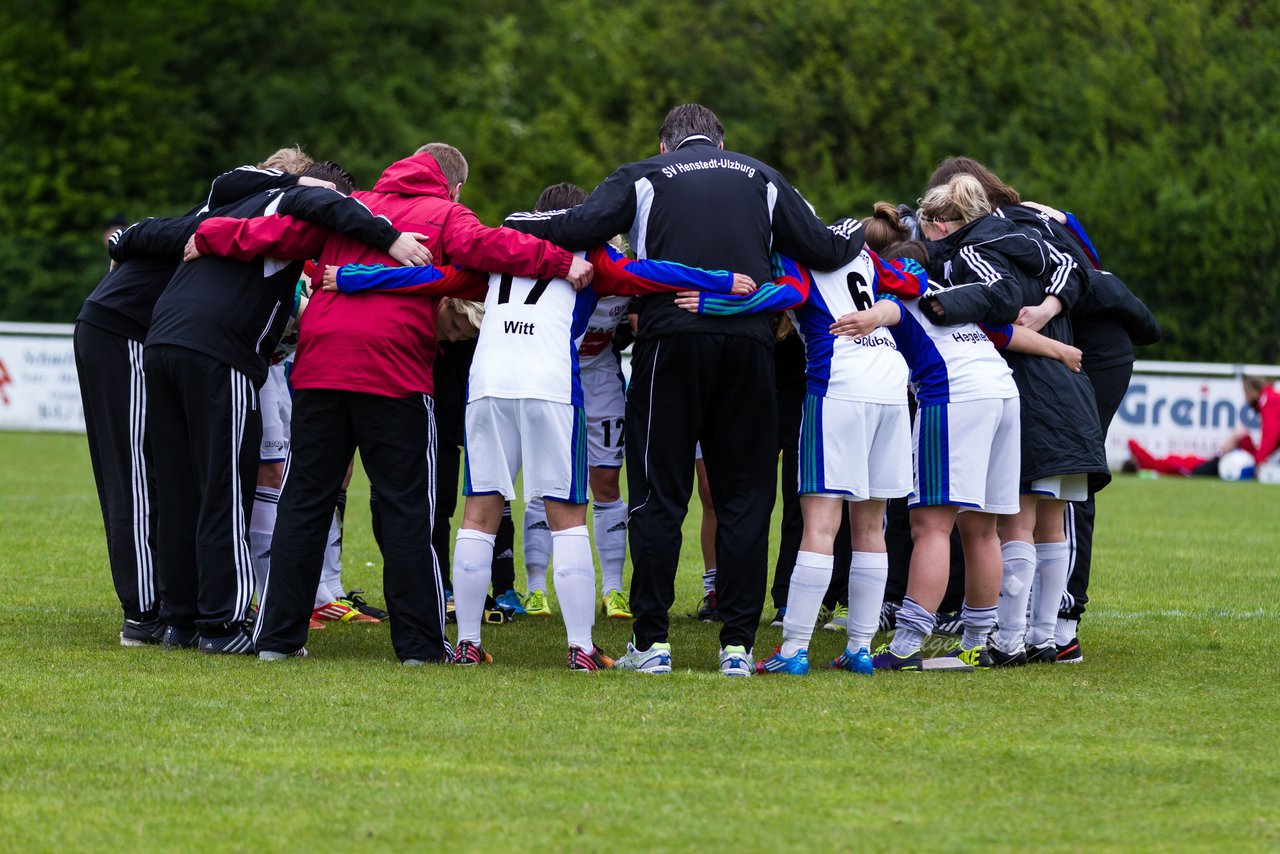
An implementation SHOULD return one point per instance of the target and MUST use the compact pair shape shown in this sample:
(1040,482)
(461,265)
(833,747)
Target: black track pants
(205,428)
(397,442)
(114,395)
(718,389)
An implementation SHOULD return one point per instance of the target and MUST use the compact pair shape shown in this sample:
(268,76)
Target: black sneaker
(495,614)
(353,599)
(142,632)
(176,638)
(1004,659)
(1071,653)
(708,611)
(776,622)
(947,624)
(889,616)
(239,643)
(1045,653)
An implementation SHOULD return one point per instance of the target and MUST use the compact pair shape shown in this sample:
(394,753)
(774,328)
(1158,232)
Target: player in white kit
(964,390)
(604,397)
(525,413)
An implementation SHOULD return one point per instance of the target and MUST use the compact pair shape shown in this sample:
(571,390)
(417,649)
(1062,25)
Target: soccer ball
(1236,465)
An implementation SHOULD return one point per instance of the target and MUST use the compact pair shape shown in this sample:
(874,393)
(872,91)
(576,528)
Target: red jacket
(1268,409)
(383,346)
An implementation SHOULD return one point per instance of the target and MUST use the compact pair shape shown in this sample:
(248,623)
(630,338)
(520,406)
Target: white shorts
(1064,487)
(277,409)
(853,450)
(604,393)
(544,439)
(969,455)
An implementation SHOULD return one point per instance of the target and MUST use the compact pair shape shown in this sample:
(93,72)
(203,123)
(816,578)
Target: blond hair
(293,160)
(452,163)
(961,198)
(470,309)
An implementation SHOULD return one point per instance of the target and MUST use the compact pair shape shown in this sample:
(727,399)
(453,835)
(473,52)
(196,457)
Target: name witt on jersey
(517,327)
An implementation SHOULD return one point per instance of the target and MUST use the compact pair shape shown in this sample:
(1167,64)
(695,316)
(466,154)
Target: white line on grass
(1204,613)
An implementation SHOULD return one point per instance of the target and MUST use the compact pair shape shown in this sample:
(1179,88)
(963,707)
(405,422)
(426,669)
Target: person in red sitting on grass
(1263,398)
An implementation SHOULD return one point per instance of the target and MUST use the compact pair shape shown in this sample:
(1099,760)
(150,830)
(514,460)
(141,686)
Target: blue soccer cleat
(796,665)
(511,601)
(859,662)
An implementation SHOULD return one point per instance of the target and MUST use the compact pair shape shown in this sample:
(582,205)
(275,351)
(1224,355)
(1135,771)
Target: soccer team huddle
(938,379)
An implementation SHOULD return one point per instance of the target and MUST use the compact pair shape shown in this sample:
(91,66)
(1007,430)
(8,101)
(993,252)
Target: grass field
(1165,738)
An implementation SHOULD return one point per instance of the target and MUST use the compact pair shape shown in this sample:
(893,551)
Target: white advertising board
(38,385)
(1170,414)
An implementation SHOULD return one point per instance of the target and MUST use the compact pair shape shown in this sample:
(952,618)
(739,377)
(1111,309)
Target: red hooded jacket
(384,346)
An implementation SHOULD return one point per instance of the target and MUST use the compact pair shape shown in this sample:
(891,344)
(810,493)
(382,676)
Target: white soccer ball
(1236,465)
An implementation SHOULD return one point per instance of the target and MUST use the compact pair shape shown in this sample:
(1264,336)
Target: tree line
(1152,122)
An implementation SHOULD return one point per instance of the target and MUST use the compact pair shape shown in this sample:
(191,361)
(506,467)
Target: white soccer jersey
(952,363)
(596,350)
(868,369)
(528,345)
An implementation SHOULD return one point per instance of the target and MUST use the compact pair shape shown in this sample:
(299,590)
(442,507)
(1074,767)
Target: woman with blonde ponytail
(990,269)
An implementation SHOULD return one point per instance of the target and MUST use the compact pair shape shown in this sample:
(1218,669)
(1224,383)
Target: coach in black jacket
(206,355)
(109,333)
(696,377)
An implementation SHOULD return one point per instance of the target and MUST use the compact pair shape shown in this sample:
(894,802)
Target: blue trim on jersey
(812,459)
(766,298)
(583,307)
(353,278)
(674,274)
(928,368)
(814,320)
(933,456)
(578,477)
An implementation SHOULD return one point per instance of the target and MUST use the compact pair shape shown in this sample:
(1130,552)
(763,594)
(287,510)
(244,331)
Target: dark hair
(117,221)
(998,192)
(913,249)
(330,171)
(689,120)
(884,228)
(560,197)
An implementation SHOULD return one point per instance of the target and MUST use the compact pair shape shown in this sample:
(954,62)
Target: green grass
(1165,738)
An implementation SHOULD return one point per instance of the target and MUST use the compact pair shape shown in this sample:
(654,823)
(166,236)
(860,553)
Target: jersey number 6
(863,299)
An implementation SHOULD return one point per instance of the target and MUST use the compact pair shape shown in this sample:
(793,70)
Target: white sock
(1053,561)
(977,625)
(262,524)
(868,574)
(575,578)
(330,588)
(537,546)
(1067,630)
(709,581)
(1019,570)
(809,582)
(472,572)
(610,521)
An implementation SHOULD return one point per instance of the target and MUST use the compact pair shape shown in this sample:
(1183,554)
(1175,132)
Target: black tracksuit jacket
(235,311)
(704,207)
(987,271)
(147,254)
